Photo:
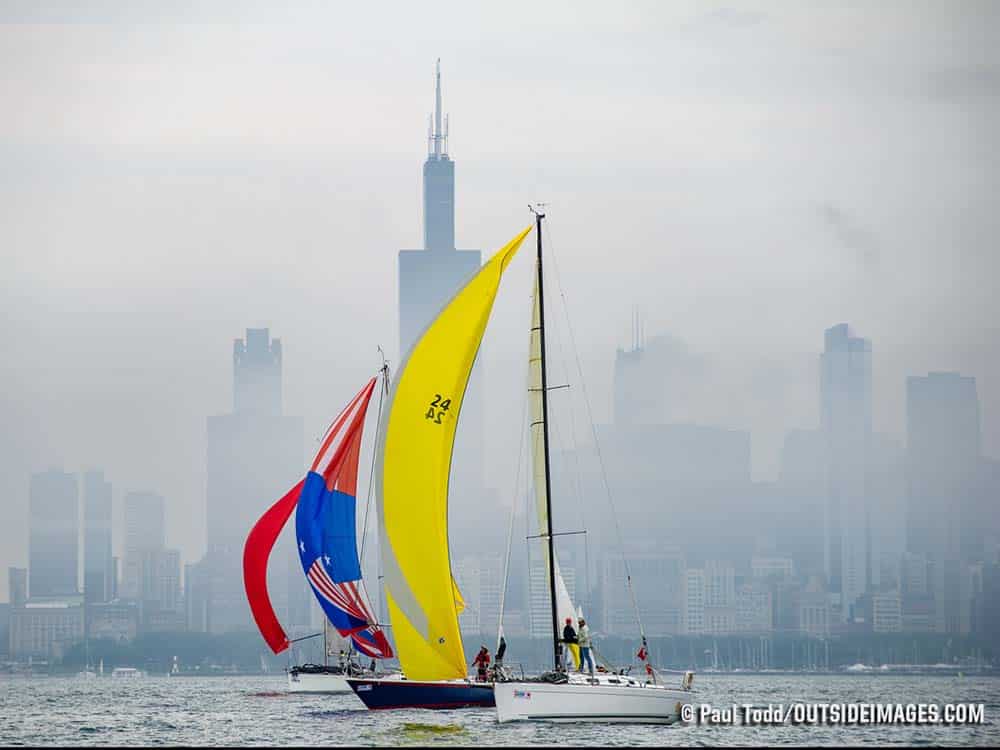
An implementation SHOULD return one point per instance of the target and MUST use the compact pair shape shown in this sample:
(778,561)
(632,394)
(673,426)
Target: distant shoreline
(961,673)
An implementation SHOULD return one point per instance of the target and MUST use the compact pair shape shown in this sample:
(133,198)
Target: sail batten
(414,462)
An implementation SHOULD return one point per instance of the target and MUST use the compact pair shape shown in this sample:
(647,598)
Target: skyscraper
(257,374)
(430,276)
(942,456)
(254,456)
(846,421)
(98,563)
(427,280)
(942,447)
(53,528)
(17,586)
(152,573)
(145,521)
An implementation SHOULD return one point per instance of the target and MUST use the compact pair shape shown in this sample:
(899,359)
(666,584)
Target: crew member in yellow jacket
(569,638)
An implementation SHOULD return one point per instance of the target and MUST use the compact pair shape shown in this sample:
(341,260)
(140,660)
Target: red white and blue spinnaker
(326,534)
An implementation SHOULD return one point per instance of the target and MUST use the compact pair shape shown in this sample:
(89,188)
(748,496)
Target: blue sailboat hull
(379,694)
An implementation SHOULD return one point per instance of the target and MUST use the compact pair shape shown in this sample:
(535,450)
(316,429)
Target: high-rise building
(846,421)
(754,608)
(491,585)
(98,563)
(428,278)
(145,521)
(254,456)
(657,581)
(694,601)
(17,586)
(53,530)
(257,374)
(942,458)
(47,627)
(152,573)
(943,447)
(480,579)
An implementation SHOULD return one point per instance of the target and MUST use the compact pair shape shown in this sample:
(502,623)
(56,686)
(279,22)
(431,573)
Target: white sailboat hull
(600,700)
(331,684)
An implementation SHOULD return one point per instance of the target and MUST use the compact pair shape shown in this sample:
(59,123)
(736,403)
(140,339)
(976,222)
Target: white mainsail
(564,605)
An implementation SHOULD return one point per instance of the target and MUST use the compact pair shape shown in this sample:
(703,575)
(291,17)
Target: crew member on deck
(481,662)
(585,647)
(569,638)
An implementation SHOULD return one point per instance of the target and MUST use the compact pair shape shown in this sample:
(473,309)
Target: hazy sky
(750,174)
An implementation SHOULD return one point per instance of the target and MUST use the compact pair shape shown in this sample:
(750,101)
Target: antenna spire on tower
(438,137)
(437,140)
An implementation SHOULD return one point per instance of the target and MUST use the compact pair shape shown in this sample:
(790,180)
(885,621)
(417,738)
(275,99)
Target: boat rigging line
(597,448)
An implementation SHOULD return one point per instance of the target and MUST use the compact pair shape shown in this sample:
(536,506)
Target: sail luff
(412,472)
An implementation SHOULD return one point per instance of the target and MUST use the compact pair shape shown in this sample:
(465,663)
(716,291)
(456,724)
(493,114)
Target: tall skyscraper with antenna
(430,276)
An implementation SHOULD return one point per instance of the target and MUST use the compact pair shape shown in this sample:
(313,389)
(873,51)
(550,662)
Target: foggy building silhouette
(428,278)
(673,483)
(98,562)
(254,455)
(802,484)
(942,458)
(846,422)
(257,374)
(151,576)
(659,379)
(53,534)
(145,521)
(17,586)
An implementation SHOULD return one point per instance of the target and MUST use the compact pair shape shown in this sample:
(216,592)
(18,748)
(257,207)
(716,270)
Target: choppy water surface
(258,711)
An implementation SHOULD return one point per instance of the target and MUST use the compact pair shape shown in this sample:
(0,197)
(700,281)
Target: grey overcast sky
(748,174)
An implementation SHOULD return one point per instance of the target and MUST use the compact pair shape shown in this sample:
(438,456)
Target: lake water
(256,710)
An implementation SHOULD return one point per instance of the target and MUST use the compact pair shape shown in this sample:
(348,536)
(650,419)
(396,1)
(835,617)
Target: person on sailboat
(570,639)
(481,662)
(583,639)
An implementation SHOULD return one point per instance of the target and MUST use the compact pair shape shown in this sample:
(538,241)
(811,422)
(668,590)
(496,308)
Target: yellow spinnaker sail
(414,455)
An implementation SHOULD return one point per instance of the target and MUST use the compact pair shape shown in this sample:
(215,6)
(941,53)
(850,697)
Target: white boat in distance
(127,673)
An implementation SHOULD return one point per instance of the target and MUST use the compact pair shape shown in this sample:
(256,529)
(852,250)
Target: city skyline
(148,377)
(862,582)
(673,342)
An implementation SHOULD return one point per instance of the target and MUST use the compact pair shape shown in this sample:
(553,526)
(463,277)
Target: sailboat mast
(545,446)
